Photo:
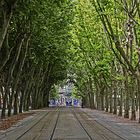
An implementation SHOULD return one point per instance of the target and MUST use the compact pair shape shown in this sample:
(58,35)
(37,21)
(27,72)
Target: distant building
(65,96)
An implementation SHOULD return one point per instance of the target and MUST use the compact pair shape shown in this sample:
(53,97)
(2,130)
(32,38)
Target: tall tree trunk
(6,93)
(126,106)
(23,97)
(110,101)
(0,99)
(1,96)
(92,101)
(7,10)
(102,100)
(126,103)
(98,101)
(115,102)
(89,98)
(11,70)
(121,103)
(33,98)
(21,100)
(138,81)
(10,103)
(39,102)
(47,100)
(27,96)
(3,113)
(133,109)
(91,94)
(5,98)
(5,53)
(16,102)
(19,71)
(106,101)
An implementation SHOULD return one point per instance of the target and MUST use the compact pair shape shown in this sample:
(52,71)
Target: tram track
(49,116)
(82,126)
(3,135)
(44,125)
(38,135)
(49,125)
(53,131)
(68,127)
(122,138)
(33,126)
(98,127)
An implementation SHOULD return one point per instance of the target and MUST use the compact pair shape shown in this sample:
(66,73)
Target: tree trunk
(137,100)
(89,98)
(106,101)
(91,94)
(16,103)
(5,53)
(10,104)
(28,102)
(11,70)
(3,113)
(46,100)
(98,101)
(7,10)
(133,109)
(110,103)
(121,103)
(21,64)
(23,97)
(115,102)
(126,105)
(33,99)
(92,101)
(27,97)
(21,102)
(102,100)
(138,81)
(39,102)
(0,100)
(1,96)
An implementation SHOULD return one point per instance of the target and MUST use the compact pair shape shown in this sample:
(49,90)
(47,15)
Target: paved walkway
(72,124)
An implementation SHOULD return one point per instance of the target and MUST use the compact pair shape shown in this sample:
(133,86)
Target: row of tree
(106,55)
(97,41)
(34,39)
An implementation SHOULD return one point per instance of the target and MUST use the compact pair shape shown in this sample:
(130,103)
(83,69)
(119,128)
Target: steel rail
(53,131)
(5,133)
(47,113)
(119,136)
(32,126)
(82,126)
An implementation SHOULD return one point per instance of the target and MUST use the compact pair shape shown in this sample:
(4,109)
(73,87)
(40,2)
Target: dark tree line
(34,39)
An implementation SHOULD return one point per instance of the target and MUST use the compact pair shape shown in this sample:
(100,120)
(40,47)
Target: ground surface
(13,120)
(72,124)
